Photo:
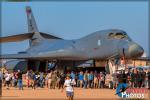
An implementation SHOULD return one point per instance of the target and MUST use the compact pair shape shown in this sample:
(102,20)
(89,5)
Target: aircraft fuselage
(94,46)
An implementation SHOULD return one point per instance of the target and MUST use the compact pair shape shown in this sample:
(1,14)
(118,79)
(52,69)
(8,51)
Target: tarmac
(56,94)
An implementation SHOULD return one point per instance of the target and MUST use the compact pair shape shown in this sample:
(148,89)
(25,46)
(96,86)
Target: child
(69,88)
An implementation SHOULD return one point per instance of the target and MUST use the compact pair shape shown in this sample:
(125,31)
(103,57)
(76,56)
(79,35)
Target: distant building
(142,61)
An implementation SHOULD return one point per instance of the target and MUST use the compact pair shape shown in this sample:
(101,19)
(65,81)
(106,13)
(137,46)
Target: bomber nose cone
(135,50)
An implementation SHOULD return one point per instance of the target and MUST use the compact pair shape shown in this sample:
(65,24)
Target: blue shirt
(72,75)
(80,76)
(91,77)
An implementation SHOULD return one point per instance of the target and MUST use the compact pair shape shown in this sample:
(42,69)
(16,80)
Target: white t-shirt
(68,84)
(7,77)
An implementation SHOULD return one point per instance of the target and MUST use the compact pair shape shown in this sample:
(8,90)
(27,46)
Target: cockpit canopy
(118,35)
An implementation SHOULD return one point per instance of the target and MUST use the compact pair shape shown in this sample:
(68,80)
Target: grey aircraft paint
(102,44)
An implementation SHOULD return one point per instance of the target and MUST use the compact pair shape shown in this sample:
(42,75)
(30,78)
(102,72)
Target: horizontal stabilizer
(49,36)
(16,38)
(21,37)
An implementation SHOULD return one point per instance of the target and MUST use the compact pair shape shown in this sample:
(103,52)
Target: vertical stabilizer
(32,27)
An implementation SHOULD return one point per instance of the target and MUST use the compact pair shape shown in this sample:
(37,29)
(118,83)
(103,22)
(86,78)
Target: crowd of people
(135,78)
(82,79)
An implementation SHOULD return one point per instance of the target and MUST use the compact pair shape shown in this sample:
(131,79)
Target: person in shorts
(69,88)
(7,79)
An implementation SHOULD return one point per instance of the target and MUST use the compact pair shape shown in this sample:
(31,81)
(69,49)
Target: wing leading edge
(15,56)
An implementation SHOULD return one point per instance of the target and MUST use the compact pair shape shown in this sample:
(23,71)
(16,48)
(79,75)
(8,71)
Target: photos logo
(124,91)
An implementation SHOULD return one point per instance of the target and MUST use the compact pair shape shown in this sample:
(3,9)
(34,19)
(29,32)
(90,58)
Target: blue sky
(72,20)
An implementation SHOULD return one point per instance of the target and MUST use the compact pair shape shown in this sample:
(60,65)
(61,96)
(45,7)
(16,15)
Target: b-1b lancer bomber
(104,44)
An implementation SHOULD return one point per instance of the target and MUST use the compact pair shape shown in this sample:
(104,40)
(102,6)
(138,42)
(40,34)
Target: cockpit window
(111,34)
(117,35)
